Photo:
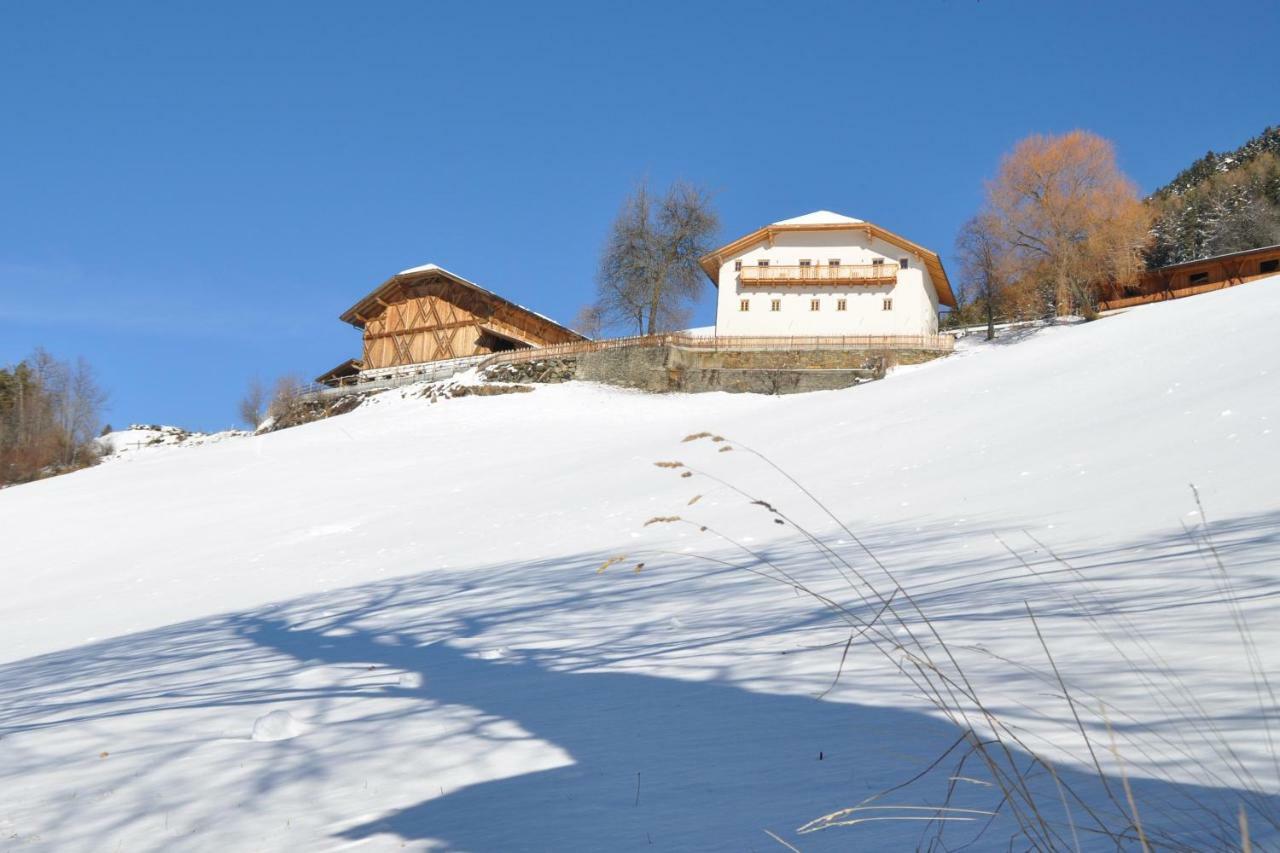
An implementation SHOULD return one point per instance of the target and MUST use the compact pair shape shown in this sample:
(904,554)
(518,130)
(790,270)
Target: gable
(432,297)
(823,222)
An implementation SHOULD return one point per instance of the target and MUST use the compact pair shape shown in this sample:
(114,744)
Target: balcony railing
(819,274)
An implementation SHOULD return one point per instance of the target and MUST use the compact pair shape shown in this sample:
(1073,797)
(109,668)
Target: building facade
(825,274)
(427,314)
(1193,277)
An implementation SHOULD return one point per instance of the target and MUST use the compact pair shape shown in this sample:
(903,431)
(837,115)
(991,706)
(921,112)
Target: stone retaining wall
(667,368)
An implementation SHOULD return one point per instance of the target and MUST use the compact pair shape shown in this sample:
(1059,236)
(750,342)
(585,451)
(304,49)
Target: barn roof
(825,220)
(372,304)
(1260,250)
(348,368)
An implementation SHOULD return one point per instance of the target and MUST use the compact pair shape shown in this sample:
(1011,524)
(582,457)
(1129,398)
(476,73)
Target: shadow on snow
(664,762)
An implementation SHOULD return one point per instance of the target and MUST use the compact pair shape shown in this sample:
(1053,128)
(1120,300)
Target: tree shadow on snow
(695,763)
(698,765)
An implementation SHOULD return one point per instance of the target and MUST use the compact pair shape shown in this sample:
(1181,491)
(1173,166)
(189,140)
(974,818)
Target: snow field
(415,585)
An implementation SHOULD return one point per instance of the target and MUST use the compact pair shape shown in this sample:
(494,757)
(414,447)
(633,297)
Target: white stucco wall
(915,301)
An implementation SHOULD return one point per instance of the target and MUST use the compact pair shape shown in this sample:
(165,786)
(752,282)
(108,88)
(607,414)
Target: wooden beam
(417,330)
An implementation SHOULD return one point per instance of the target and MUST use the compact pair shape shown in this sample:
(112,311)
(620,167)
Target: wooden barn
(1192,277)
(429,314)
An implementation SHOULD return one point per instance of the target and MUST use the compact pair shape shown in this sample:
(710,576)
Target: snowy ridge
(139,437)
(414,588)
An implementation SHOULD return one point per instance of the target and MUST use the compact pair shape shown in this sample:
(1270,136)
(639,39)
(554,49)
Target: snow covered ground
(122,443)
(387,630)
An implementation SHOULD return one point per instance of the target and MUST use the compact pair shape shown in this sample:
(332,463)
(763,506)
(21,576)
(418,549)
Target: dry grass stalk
(904,633)
(790,847)
(610,562)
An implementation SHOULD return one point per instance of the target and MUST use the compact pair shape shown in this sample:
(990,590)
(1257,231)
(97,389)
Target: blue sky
(191,193)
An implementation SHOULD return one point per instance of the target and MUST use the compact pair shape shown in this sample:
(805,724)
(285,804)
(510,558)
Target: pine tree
(1222,203)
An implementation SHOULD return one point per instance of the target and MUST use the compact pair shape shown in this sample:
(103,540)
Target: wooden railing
(819,274)
(731,343)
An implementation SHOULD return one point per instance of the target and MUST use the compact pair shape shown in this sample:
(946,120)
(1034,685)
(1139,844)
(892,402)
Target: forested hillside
(49,413)
(1222,203)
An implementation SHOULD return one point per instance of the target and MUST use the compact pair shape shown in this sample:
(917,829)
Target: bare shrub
(252,407)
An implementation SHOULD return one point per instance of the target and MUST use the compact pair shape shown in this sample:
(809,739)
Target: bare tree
(649,275)
(253,405)
(83,400)
(288,389)
(589,321)
(74,399)
(982,281)
(1244,222)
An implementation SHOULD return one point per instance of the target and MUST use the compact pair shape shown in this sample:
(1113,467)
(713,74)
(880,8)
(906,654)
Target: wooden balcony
(818,274)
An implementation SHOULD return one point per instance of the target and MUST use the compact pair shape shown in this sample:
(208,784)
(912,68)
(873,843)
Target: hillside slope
(415,585)
(1222,203)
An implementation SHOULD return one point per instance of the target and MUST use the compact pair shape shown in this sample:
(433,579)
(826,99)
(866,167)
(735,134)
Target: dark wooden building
(1192,277)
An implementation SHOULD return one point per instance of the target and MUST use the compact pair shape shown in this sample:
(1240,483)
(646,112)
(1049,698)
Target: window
(775,305)
(815,304)
(744,305)
(841,304)
(1198,278)
(1272,265)
(804,262)
(903,262)
(833,262)
(762,263)
(877,262)
(888,304)
(737,265)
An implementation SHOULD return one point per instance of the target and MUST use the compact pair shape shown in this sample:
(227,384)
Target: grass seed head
(609,562)
(693,500)
(663,519)
(669,464)
(697,435)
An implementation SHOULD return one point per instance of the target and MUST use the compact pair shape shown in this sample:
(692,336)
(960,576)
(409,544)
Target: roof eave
(353,315)
(712,261)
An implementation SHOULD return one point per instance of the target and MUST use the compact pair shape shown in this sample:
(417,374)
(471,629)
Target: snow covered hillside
(387,630)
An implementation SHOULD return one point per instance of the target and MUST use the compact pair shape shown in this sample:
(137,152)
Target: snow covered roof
(820,217)
(372,303)
(826,220)
(423,268)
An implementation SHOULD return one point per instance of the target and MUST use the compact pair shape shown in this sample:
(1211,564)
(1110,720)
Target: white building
(826,274)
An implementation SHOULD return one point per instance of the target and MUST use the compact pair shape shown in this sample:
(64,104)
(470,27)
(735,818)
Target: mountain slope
(415,584)
(1222,203)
